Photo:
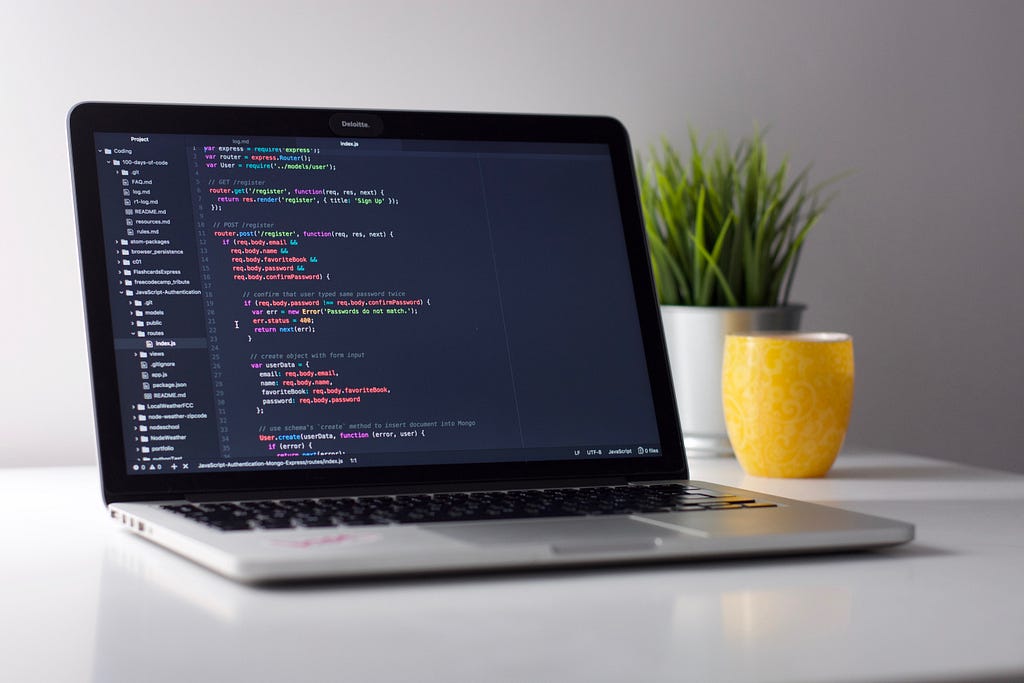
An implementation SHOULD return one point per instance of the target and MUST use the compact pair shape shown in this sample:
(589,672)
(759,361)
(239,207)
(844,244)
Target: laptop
(341,343)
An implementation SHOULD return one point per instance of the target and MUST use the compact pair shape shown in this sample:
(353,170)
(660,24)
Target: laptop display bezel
(87,119)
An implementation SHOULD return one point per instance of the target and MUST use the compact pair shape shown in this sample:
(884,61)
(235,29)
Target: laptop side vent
(129,521)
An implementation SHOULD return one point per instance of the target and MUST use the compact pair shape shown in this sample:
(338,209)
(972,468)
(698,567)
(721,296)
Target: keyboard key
(274,523)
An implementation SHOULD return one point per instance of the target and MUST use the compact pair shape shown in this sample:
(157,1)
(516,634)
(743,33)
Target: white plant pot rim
(734,308)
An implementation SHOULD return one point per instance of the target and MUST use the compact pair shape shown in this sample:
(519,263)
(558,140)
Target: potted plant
(725,233)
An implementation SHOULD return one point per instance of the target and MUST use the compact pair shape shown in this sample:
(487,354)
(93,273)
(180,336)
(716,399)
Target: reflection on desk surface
(695,617)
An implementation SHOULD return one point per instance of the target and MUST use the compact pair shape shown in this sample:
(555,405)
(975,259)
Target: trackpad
(563,535)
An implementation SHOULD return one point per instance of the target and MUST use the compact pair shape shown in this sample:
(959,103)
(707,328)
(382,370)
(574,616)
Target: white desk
(81,600)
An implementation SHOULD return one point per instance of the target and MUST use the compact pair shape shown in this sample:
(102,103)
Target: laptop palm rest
(563,536)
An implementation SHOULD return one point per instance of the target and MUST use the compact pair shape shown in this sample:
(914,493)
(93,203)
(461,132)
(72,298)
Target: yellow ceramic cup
(787,399)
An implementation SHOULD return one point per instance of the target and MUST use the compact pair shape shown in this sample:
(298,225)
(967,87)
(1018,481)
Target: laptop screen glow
(283,303)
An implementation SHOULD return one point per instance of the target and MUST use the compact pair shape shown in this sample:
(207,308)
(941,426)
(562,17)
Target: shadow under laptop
(639,570)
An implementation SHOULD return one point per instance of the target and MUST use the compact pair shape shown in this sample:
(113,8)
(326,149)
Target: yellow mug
(787,398)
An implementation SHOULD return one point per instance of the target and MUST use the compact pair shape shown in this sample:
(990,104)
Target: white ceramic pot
(695,336)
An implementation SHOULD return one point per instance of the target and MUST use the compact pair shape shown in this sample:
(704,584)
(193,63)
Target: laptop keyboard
(452,507)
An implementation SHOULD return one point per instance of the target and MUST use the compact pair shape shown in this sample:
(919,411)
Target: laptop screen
(286,303)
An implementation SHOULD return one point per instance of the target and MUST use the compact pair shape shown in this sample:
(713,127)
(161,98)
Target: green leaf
(723,227)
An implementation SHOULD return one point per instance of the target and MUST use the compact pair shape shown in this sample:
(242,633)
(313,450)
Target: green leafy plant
(723,229)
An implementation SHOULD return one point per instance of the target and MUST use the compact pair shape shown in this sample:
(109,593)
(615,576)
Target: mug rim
(811,337)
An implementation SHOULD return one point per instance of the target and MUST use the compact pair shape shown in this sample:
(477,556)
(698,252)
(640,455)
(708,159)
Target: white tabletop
(83,600)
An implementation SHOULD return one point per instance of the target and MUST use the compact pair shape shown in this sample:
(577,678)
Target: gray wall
(920,257)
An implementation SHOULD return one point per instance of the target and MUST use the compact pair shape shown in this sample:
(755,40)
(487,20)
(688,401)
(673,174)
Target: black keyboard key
(274,523)
(228,523)
(363,521)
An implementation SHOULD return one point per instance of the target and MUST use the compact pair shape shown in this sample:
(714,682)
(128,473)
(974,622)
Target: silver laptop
(335,343)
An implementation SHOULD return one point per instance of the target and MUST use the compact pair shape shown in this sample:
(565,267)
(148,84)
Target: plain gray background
(919,258)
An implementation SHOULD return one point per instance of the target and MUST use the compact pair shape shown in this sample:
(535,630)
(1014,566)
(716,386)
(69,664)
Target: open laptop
(345,343)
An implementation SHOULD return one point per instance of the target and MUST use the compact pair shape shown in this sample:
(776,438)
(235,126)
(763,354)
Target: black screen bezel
(86,119)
